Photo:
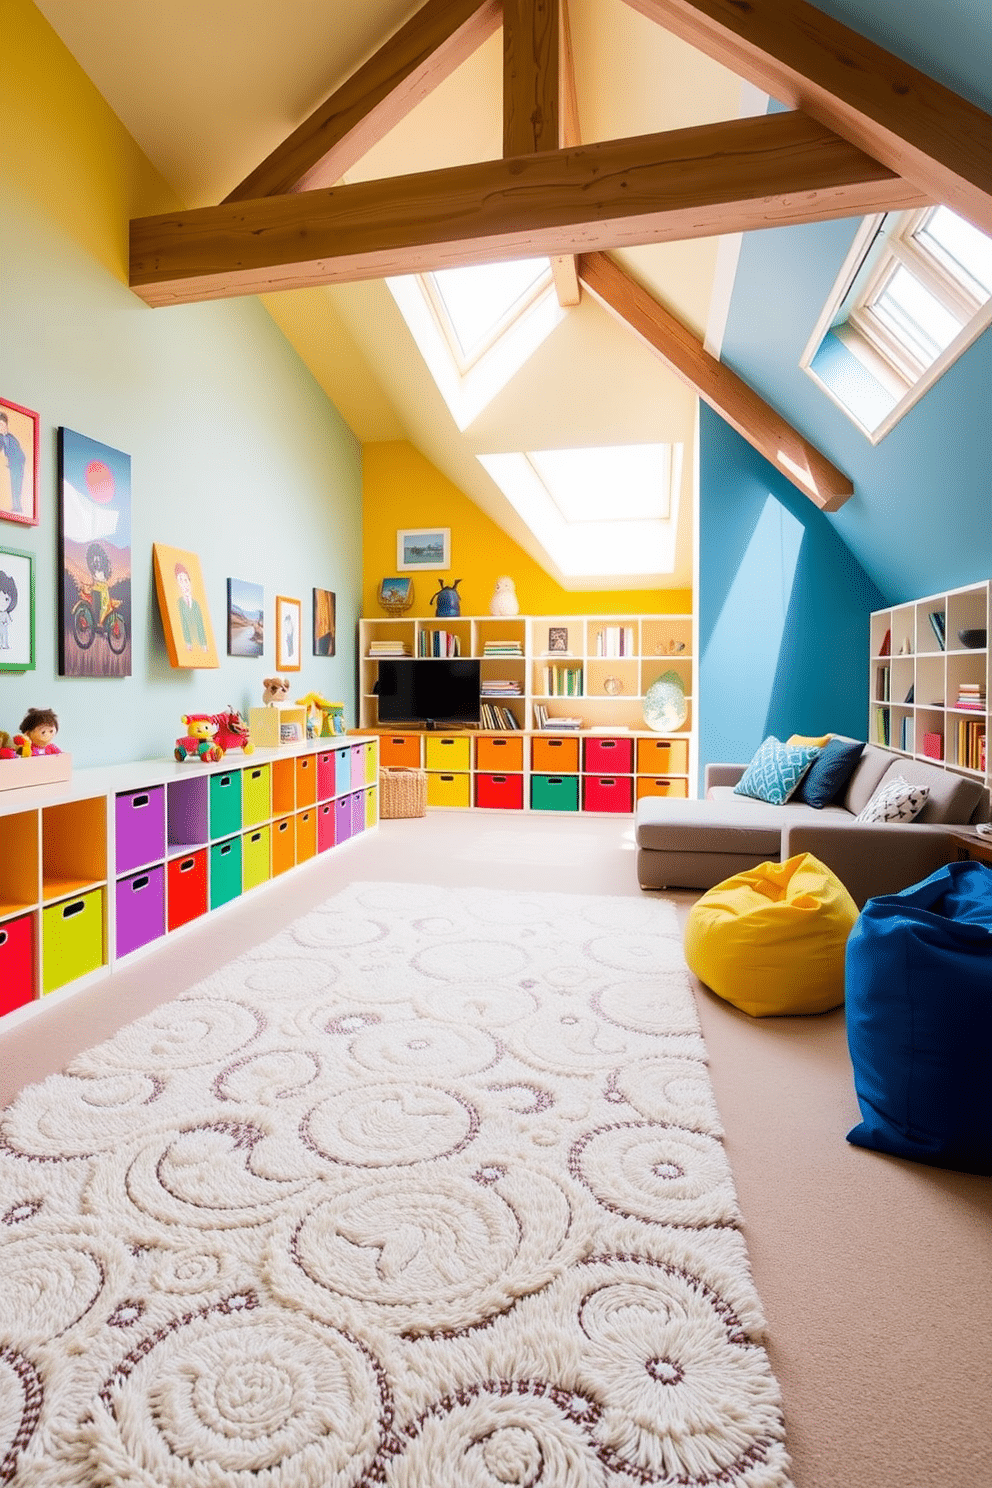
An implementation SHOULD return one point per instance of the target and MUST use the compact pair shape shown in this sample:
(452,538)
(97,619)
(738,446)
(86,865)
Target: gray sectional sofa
(696,844)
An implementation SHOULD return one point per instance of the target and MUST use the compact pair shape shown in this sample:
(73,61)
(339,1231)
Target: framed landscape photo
(95,551)
(245,618)
(289,628)
(182,603)
(18,464)
(324,609)
(423,548)
(16,611)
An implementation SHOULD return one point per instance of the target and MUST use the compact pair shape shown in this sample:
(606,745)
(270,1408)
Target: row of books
(971,695)
(545,721)
(972,744)
(497,719)
(563,681)
(615,640)
(882,725)
(882,684)
(438,643)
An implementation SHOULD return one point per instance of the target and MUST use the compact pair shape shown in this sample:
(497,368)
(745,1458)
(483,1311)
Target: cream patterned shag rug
(425,1192)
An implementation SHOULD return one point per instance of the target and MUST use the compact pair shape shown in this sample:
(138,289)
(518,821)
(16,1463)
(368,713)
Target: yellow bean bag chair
(772,940)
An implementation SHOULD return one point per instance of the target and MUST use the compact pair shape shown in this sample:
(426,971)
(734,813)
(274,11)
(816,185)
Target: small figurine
(232,732)
(447,600)
(38,728)
(199,741)
(275,690)
(319,715)
(504,600)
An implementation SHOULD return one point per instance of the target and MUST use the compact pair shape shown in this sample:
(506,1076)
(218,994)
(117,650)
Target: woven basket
(402,792)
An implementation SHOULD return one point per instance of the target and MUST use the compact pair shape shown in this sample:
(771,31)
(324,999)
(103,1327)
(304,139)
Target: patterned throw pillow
(895,801)
(776,771)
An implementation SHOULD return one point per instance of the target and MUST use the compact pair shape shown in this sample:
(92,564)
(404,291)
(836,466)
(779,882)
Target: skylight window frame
(520,307)
(885,241)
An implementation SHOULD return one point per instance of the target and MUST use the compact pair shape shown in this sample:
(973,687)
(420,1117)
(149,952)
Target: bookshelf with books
(930,679)
(572,688)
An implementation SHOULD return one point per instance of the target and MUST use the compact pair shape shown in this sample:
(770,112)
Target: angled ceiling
(209,95)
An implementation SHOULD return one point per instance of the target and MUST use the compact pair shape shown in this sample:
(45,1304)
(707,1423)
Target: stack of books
(500,687)
(615,640)
(388,648)
(971,695)
(438,643)
(502,648)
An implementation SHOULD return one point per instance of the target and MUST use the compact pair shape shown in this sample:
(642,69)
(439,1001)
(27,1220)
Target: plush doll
(275,690)
(38,728)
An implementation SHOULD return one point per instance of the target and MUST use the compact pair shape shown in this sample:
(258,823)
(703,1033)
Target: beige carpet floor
(874,1274)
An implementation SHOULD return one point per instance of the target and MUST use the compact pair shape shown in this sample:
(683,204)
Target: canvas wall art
(245,618)
(95,554)
(18,463)
(182,603)
(16,611)
(324,614)
(289,614)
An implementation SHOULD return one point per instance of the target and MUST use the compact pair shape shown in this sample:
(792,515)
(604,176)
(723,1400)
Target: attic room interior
(432,1092)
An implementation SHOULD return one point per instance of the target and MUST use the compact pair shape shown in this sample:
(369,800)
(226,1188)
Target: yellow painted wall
(400,488)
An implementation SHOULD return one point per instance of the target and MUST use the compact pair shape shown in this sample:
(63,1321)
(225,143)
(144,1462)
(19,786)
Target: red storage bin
(16,963)
(502,791)
(325,826)
(608,756)
(187,888)
(607,793)
(325,774)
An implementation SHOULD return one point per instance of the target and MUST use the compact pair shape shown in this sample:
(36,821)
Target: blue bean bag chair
(918,978)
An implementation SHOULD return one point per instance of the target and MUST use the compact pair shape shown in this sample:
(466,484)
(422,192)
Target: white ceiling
(208,89)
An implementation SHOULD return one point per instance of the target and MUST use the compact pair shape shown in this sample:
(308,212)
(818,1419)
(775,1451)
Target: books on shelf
(497,719)
(972,743)
(563,681)
(438,643)
(937,625)
(502,648)
(971,695)
(882,726)
(882,684)
(544,720)
(907,735)
(615,640)
(500,687)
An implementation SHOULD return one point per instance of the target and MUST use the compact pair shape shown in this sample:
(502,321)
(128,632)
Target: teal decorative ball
(665,707)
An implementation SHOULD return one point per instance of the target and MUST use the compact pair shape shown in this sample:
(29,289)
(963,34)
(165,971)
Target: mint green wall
(236,455)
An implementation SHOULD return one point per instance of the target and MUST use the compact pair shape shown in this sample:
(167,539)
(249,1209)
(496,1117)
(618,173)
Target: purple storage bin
(140,827)
(358,812)
(357,766)
(140,909)
(342,819)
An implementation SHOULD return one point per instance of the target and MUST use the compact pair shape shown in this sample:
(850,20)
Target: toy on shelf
(38,728)
(324,719)
(275,690)
(199,742)
(232,732)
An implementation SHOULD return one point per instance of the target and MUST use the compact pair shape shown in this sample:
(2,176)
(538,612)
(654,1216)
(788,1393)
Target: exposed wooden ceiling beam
(716,178)
(530,77)
(409,66)
(564,266)
(914,125)
(730,397)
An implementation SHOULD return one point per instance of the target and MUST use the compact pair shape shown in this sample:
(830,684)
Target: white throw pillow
(895,801)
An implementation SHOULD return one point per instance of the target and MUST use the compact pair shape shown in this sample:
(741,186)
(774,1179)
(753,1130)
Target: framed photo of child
(18,464)
(16,611)
(182,603)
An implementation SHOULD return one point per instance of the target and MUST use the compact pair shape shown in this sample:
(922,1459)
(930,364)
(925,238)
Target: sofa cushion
(867,773)
(952,797)
(775,771)
(829,773)
(895,801)
(724,823)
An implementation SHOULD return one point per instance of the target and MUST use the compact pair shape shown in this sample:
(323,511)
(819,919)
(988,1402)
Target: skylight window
(607,510)
(475,327)
(916,290)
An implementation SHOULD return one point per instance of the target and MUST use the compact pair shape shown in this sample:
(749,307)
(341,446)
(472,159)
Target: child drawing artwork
(190,614)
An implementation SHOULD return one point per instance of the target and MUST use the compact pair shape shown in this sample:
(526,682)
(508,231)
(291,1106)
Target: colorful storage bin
(255,867)
(399,749)
(256,795)
(139,827)
(499,756)
(72,939)
(225,871)
(225,803)
(500,792)
(449,790)
(140,902)
(448,753)
(605,756)
(186,888)
(554,756)
(554,792)
(306,834)
(326,821)
(607,793)
(16,963)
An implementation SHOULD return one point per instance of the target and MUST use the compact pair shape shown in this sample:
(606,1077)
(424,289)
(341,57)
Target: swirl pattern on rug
(427,1191)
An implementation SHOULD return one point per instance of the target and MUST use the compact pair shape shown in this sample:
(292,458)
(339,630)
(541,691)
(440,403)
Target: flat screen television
(429,691)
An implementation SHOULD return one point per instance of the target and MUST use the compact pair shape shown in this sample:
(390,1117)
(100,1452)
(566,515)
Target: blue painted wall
(783,608)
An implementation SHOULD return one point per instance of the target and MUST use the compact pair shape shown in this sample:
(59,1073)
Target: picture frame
(423,548)
(324,622)
(289,628)
(558,639)
(182,603)
(94,591)
(19,448)
(245,618)
(16,611)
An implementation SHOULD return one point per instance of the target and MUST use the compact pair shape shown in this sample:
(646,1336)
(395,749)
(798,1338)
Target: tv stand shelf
(587,673)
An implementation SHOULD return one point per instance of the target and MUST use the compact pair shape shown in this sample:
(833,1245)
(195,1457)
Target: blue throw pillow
(776,771)
(829,773)
(919,1020)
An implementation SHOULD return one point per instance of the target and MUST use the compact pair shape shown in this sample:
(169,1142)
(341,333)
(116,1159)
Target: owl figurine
(504,600)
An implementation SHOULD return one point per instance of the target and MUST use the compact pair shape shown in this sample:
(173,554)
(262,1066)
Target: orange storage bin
(499,755)
(555,756)
(652,786)
(306,780)
(283,845)
(306,834)
(399,749)
(662,756)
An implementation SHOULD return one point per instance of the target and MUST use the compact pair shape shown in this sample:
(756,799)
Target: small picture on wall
(16,611)
(18,464)
(95,544)
(245,618)
(182,603)
(423,547)
(558,638)
(288,630)
(324,607)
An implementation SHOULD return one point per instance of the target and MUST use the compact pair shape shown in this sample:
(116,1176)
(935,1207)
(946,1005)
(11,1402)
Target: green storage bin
(256,795)
(225,803)
(255,857)
(554,792)
(71,939)
(225,871)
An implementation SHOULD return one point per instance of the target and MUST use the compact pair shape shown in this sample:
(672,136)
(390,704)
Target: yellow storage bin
(772,940)
(449,790)
(371,812)
(371,752)
(647,786)
(255,867)
(71,939)
(256,805)
(447,753)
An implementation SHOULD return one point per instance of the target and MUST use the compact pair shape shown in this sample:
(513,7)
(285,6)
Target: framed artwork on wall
(245,618)
(95,557)
(182,604)
(423,548)
(16,611)
(324,613)
(18,464)
(289,615)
